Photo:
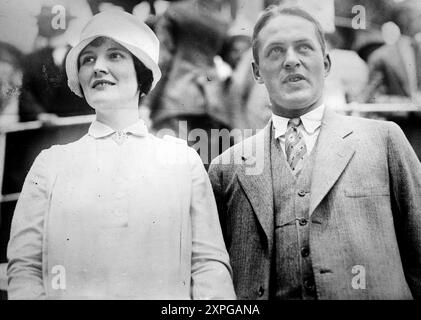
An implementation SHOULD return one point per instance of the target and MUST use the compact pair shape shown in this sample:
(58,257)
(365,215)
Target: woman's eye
(116,55)
(87,59)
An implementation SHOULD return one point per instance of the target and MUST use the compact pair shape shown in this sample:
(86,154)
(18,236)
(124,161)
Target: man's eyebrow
(276,43)
(304,41)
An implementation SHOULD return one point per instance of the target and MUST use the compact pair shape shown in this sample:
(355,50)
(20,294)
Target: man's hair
(274,11)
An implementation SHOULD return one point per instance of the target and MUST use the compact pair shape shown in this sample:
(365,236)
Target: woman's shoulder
(63,150)
(176,149)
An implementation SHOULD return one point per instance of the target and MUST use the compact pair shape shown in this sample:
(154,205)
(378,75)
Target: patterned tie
(295,146)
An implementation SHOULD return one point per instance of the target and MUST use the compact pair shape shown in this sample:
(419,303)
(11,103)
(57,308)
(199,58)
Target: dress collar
(311,121)
(99,130)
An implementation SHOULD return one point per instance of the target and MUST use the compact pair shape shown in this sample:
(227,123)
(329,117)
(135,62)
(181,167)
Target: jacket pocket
(372,191)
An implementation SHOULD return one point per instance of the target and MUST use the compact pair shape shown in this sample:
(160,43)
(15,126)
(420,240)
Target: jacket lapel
(258,187)
(333,154)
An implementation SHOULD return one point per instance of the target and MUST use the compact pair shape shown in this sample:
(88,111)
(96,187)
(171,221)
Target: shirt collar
(311,121)
(99,130)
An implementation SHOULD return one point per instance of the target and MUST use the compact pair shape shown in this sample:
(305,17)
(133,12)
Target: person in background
(10,84)
(45,94)
(395,68)
(105,217)
(192,33)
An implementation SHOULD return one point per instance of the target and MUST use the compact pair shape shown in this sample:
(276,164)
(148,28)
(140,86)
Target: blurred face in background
(291,64)
(107,75)
(10,83)
(238,46)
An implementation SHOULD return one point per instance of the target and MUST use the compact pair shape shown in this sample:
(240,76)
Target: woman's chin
(103,101)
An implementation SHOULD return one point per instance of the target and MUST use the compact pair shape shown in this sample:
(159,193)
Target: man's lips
(102,82)
(292,78)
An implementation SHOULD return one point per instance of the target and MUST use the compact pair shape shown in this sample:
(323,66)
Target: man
(335,211)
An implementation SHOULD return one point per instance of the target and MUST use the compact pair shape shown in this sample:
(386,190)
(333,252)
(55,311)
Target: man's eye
(304,48)
(275,51)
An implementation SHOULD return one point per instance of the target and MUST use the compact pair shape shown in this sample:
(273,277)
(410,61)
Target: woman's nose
(100,66)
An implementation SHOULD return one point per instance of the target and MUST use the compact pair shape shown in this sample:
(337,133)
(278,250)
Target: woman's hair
(143,74)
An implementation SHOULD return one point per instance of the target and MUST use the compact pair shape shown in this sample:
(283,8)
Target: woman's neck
(118,119)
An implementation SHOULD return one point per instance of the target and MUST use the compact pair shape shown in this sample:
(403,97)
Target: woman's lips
(102,83)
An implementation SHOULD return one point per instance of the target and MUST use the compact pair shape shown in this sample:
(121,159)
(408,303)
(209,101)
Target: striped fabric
(295,146)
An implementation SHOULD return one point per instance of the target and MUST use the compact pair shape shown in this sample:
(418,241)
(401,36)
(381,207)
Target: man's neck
(294,113)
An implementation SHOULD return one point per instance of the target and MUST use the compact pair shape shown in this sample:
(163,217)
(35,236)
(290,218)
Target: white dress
(98,219)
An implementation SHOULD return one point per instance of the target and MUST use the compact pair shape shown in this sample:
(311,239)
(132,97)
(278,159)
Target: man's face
(291,65)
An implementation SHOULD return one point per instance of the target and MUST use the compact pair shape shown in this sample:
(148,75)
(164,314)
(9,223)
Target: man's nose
(100,66)
(291,59)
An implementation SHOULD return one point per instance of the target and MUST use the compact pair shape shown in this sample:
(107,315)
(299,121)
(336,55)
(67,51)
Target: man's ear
(327,64)
(256,72)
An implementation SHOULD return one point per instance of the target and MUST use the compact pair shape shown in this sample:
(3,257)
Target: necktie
(295,146)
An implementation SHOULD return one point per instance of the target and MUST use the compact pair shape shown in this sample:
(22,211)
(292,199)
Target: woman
(118,213)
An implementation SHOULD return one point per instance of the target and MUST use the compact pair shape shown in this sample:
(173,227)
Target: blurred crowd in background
(206,58)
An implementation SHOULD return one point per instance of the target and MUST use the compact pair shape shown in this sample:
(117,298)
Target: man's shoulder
(239,151)
(374,132)
(365,124)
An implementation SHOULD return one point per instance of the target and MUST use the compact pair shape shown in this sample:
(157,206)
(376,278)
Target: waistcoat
(293,273)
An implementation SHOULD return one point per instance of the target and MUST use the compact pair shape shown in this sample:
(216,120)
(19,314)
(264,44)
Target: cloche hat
(124,28)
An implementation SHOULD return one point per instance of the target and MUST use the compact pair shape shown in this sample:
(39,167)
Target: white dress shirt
(310,127)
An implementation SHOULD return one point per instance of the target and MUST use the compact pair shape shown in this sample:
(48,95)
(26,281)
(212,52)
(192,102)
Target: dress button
(303,221)
(120,194)
(117,213)
(261,292)
(305,252)
(301,193)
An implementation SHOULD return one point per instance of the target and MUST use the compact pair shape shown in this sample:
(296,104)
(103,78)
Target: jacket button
(305,252)
(261,292)
(303,221)
(301,193)
(310,287)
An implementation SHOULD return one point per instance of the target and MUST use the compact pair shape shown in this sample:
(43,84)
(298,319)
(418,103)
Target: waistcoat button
(261,292)
(303,221)
(305,252)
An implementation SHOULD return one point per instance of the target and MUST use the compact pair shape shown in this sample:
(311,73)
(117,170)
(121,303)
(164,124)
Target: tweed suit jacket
(365,208)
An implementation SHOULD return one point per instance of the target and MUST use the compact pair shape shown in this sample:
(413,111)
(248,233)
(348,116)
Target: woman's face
(107,74)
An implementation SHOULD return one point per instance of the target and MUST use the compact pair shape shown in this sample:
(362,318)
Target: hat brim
(73,56)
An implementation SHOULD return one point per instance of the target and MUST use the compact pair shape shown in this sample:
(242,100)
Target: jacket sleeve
(215,176)
(211,271)
(405,178)
(24,252)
